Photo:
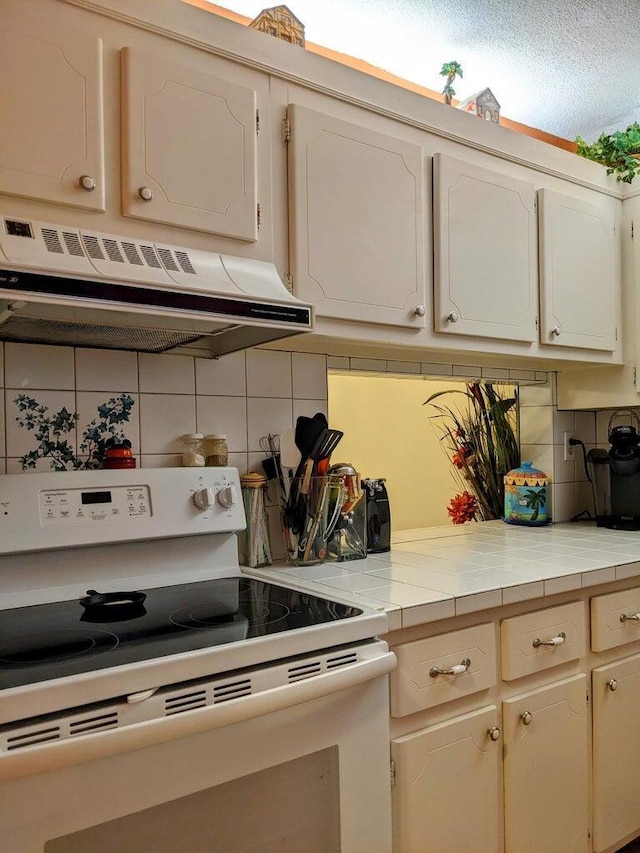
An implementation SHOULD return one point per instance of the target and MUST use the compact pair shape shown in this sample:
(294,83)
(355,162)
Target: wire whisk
(270,444)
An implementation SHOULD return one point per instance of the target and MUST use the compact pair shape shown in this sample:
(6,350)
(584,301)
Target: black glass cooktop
(65,638)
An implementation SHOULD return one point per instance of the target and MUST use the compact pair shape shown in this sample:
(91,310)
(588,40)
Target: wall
(388,433)
(247,395)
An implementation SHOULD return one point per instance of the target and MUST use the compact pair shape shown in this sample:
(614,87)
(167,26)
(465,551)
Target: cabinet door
(616,752)
(357,221)
(485,252)
(51,143)
(446,795)
(545,769)
(579,284)
(189,148)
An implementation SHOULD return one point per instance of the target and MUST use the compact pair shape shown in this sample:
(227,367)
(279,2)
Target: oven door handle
(81,749)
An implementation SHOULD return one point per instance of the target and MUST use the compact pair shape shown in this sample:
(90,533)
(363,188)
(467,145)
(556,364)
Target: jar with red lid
(118,454)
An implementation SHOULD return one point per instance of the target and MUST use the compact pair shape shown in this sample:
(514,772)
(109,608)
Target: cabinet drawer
(526,640)
(416,684)
(608,627)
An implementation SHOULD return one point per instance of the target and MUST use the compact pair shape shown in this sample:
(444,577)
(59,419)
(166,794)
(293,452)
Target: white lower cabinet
(616,752)
(446,796)
(546,769)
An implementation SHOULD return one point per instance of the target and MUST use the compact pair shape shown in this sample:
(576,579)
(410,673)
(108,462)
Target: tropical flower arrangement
(480,438)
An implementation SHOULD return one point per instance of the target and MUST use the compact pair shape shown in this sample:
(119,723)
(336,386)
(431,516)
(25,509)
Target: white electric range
(129,636)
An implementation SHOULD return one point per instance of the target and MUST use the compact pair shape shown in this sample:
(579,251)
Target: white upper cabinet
(189,147)
(485,252)
(579,273)
(51,142)
(357,229)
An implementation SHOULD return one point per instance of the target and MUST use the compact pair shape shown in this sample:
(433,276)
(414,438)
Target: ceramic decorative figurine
(525,496)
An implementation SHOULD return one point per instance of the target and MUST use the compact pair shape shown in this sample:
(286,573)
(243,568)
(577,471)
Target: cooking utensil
(111,599)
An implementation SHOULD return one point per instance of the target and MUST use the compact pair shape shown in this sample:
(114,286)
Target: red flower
(459,459)
(463,508)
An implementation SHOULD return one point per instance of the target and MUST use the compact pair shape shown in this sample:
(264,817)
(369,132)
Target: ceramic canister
(526,494)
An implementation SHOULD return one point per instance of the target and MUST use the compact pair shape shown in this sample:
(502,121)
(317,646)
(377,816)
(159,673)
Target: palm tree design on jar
(525,496)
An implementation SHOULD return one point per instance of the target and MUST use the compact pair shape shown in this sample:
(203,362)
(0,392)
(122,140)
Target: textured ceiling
(568,67)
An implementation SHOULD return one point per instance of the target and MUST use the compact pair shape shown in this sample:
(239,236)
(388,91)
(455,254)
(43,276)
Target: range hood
(80,287)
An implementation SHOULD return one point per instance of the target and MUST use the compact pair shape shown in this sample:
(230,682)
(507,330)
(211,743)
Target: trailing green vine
(618,151)
(51,431)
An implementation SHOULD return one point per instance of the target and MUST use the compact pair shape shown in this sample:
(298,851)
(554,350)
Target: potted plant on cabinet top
(619,152)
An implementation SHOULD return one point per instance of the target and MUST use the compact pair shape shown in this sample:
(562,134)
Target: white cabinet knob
(145,193)
(453,316)
(420,311)
(87,183)
(227,497)
(555,332)
(204,499)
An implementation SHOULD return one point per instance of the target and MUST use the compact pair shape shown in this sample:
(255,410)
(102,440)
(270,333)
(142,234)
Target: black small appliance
(615,475)
(378,514)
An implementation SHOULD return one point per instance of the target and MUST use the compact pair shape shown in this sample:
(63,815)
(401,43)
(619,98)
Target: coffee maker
(378,514)
(615,475)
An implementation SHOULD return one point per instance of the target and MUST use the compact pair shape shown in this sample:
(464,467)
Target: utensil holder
(309,517)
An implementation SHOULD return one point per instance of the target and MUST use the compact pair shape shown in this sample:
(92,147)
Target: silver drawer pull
(458,669)
(526,717)
(634,618)
(554,641)
(494,733)
(612,684)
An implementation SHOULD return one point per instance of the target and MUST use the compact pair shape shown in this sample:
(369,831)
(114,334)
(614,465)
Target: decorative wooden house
(279,21)
(483,105)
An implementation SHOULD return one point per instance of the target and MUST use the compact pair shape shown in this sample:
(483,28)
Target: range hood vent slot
(54,332)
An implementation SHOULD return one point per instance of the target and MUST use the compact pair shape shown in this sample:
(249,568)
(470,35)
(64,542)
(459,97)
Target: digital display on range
(96,498)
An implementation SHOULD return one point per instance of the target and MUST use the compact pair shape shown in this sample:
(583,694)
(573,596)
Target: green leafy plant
(450,70)
(51,430)
(619,152)
(480,439)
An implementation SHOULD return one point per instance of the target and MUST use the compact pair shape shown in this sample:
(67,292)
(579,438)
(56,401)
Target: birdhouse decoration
(279,21)
(482,105)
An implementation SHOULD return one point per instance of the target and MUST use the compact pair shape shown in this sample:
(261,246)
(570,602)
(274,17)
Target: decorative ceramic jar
(526,492)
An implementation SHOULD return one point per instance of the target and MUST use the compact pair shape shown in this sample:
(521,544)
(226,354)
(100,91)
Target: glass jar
(216,451)
(193,450)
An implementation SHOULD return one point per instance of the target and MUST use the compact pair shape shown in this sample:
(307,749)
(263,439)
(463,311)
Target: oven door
(305,767)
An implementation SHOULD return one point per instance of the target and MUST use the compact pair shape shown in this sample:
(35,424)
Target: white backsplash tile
(225,376)
(223,416)
(87,403)
(309,376)
(536,395)
(536,425)
(161,460)
(104,370)
(540,455)
(563,422)
(20,441)
(564,471)
(265,416)
(309,408)
(35,366)
(563,501)
(585,428)
(166,374)
(269,374)
(164,419)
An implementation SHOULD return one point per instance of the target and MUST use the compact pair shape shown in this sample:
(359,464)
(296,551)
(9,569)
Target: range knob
(227,496)
(204,498)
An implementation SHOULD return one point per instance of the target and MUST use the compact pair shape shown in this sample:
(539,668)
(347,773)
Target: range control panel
(76,508)
(69,506)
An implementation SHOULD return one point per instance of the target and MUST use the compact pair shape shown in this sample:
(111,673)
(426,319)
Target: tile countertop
(441,572)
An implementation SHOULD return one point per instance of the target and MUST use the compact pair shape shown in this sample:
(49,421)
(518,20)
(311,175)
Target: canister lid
(526,475)
(218,436)
(192,436)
